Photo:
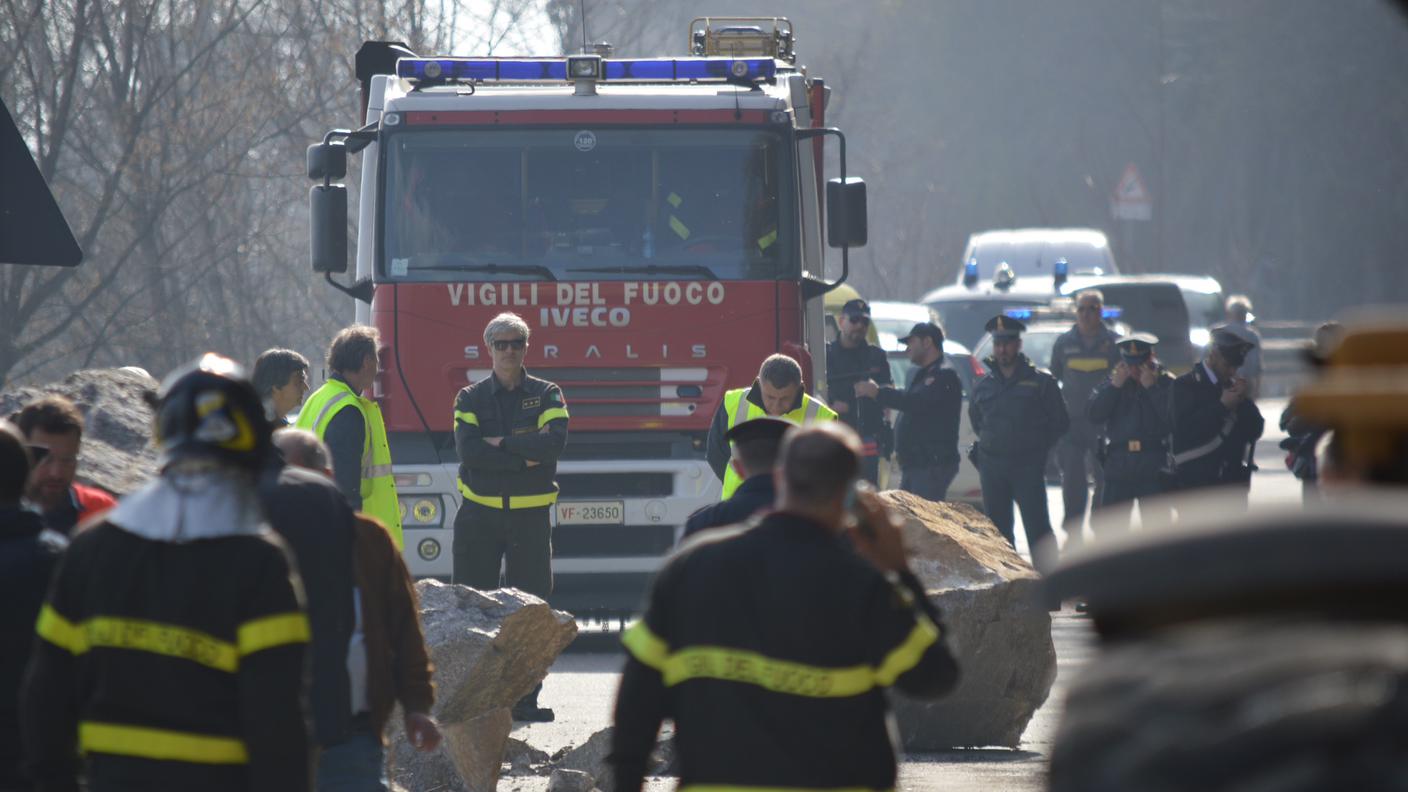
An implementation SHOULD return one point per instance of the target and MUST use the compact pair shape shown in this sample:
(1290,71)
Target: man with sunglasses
(851,360)
(1081,360)
(510,429)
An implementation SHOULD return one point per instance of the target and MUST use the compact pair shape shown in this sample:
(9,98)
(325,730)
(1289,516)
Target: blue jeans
(355,765)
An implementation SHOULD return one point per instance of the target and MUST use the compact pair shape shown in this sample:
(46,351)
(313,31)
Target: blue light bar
(682,69)
(481,69)
(1018,313)
(1111,313)
(1062,267)
(555,70)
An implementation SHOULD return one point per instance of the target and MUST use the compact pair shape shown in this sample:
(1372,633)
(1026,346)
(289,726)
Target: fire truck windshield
(573,204)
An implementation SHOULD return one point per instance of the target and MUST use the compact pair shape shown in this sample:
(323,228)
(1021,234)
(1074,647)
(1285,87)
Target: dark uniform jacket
(844,368)
(1136,422)
(346,438)
(771,646)
(306,509)
(532,420)
(172,665)
(753,495)
(1017,420)
(1082,367)
(1211,444)
(28,556)
(926,433)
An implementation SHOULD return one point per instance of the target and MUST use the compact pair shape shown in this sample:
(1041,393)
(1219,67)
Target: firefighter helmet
(209,409)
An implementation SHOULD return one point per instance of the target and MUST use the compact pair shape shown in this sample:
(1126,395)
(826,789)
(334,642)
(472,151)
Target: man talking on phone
(771,645)
(1216,424)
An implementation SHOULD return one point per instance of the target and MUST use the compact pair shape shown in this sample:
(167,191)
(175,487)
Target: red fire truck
(658,224)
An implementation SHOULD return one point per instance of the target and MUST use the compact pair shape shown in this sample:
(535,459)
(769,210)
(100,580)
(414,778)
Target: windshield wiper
(494,267)
(653,269)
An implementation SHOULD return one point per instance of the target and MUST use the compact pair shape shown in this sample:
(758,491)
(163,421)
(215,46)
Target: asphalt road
(581,687)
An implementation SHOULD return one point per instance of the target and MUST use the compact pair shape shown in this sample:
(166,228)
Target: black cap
(1137,343)
(856,307)
(925,330)
(1233,335)
(758,428)
(1002,326)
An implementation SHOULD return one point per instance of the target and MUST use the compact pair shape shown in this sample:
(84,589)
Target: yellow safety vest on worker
(378,484)
(809,411)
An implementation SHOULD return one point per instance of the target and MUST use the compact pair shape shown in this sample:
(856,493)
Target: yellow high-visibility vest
(810,410)
(378,484)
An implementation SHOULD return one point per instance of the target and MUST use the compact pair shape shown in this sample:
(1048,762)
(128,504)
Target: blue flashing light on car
(1111,313)
(1021,314)
(555,70)
(970,272)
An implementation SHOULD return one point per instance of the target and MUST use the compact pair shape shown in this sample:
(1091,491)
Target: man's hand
(422,732)
(494,441)
(877,535)
(840,407)
(1119,375)
(867,389)
(1234,395)
(1148,375)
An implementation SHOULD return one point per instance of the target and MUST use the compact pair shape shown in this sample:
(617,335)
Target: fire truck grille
(606,541)
(615,485)
(635,392)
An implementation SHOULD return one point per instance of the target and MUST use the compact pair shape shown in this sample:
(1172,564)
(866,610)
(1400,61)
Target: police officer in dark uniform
(510,429)
(1216,424)
(926,435)
(755,444)
(1018,413)
(1133,411)
(1081,361)
(851,360)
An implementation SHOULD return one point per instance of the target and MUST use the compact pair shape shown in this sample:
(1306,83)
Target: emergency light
(970,272)
(1020,314)
(1111,313)
(557,69)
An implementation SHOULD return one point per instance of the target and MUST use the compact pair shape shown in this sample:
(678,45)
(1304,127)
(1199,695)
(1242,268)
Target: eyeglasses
(1088,309)
(505,344)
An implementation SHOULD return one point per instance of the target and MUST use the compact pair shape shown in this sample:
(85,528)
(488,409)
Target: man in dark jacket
(173,637)
(1216,424)
(28,555)
(1133,411)
(510,429)
(755,445)
(1018,414)
(926,435)
(850,361)
(383,660)
(1081,360)
(771,647)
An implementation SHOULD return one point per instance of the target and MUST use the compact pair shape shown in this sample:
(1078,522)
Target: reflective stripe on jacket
(811,409)
(378,484)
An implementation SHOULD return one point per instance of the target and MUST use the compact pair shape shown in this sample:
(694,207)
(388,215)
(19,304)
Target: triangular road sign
(32,229)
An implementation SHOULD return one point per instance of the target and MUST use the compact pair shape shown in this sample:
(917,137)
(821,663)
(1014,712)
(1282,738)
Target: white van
(1033,252)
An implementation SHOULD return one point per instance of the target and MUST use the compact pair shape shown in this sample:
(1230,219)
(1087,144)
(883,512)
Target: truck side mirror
(846,213)
(327,204)
(327,160)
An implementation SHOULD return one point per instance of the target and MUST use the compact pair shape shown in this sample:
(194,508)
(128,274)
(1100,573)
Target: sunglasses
(505,344)
(1088,309)
(860,319)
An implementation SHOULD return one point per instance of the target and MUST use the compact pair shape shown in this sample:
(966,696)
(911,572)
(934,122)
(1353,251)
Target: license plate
(591,513)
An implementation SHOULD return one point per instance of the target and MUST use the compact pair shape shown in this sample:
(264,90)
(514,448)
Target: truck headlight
(421,511)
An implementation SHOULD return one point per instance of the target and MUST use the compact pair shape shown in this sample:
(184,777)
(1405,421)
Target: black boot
(528,711)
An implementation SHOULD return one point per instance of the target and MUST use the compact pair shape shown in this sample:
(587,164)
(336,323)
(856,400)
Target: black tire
(1250,707)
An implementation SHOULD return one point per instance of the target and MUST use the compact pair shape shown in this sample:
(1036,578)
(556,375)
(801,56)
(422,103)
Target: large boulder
(490,648)
(997,623)
(117,453)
